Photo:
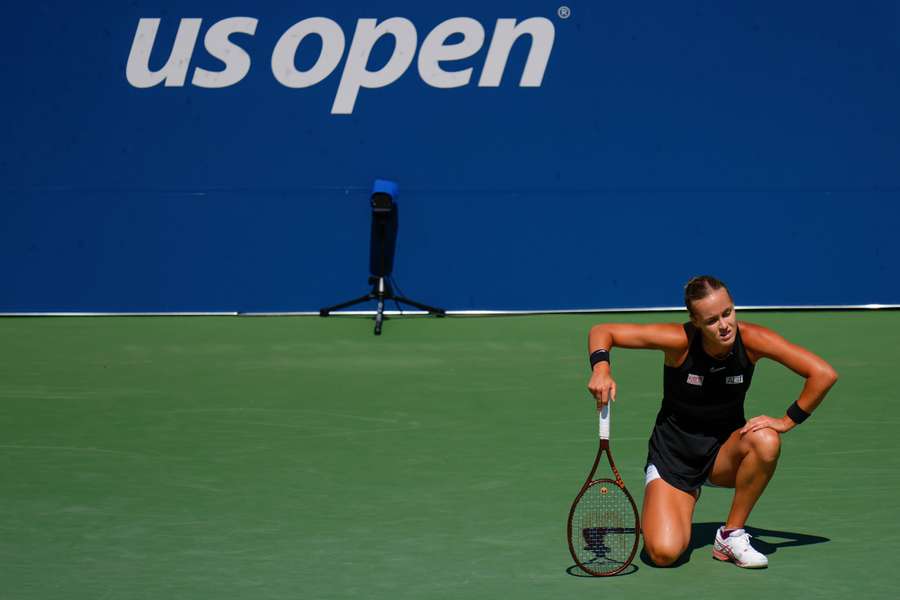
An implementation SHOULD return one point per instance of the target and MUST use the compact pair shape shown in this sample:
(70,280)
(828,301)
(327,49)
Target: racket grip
(603,413)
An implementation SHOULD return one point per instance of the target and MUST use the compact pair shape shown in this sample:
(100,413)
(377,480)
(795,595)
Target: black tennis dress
(703,404)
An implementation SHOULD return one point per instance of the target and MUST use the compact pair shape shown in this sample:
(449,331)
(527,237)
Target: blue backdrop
(758,142)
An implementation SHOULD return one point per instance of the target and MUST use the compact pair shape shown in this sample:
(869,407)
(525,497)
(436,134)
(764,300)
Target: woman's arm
(762,342)
(668,337)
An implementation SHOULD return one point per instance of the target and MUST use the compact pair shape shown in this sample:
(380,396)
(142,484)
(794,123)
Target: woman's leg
(746,463)
(666,521)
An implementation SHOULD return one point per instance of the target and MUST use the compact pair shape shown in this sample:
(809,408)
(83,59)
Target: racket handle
(603,413)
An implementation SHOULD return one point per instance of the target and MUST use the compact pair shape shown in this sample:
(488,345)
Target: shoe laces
(742,541)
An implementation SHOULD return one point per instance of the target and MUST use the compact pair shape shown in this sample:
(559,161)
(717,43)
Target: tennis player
(700,435)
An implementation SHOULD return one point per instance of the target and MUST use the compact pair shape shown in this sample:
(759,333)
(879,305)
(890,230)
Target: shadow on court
(574,571)
(703,534)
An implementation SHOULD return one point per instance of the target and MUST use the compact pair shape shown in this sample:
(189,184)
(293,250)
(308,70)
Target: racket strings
(603,528)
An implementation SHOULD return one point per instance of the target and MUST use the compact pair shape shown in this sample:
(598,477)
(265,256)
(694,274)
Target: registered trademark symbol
(564,12)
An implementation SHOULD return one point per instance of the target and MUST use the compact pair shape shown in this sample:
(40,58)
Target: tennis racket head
(603,528)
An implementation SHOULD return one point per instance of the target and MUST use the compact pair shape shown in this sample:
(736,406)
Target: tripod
(385,223)
(381,291)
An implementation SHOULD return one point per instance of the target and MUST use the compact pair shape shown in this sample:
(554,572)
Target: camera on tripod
(382,248)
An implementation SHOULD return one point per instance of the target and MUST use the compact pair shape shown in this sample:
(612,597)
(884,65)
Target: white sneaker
(736,547)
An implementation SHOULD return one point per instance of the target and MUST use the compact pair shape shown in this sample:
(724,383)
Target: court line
(461,313)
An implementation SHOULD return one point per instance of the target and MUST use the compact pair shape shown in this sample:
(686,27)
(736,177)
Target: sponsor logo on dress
(716,369)
(735,379)
(695,379)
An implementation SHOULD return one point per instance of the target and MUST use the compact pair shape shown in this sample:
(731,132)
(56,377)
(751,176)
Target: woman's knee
(666,521)
(664,552)
(766,444)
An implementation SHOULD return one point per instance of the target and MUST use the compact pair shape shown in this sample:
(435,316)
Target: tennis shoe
(736,548)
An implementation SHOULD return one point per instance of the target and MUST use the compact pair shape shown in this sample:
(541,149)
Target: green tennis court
(302,457)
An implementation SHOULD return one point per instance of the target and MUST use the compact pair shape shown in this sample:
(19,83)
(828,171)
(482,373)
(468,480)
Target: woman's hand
(602,386)
(782,425)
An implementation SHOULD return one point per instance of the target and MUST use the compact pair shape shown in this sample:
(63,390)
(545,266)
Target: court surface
(303,457)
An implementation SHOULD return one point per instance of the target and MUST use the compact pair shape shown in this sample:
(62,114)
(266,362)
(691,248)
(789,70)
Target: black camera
(382,245)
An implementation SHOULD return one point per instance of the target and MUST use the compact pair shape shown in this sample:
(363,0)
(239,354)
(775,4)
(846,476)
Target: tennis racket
(604,527)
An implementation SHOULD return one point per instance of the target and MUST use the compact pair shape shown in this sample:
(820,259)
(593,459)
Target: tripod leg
(437,311)
(324,312)
(379,316)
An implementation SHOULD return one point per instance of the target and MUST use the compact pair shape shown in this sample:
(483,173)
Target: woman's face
(714,316)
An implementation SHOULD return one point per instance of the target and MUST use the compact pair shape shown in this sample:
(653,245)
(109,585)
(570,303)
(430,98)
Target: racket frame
(618,482)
